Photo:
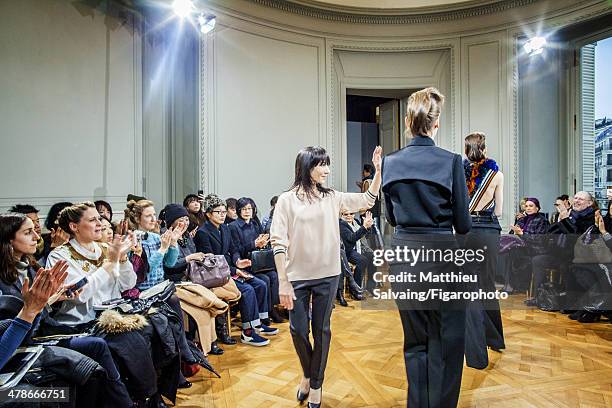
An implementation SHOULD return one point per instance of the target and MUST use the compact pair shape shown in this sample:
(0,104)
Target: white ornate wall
(70,110)
(276,73)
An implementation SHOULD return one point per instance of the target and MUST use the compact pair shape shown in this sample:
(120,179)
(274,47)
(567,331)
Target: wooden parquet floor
(550,361)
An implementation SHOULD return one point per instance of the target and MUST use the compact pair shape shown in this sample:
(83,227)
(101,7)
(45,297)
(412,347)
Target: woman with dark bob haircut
(248,235)
(306,242)
(426,198)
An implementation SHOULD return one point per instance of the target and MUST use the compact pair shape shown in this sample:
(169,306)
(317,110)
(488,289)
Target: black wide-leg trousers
(313,358)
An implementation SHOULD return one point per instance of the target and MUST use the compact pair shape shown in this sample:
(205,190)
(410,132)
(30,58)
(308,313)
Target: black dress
(426,197)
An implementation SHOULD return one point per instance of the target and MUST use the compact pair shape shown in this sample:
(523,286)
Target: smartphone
(201,192)
(73,288)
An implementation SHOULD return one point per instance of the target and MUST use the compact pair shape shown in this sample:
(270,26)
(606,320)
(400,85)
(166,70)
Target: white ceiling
(391,4)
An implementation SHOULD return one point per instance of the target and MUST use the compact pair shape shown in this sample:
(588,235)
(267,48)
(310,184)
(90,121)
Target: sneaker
(266,330)
(253,339)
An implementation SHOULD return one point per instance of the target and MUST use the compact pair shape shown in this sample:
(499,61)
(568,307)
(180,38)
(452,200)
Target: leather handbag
(262,260)
(212,272)
(590,248)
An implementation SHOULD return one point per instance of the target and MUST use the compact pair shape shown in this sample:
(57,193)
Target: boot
(215,349)
(222,329)
(354,289)
(276,316)
(340,293)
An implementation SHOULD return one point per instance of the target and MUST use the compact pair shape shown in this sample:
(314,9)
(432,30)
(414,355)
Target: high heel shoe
(301,397)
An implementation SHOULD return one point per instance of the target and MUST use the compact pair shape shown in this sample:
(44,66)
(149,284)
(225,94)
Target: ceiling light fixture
(183,8)
(535,46)
(207,23)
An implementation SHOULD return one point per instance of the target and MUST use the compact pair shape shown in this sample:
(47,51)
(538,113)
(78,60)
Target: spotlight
(207,23)
(182,8)
(535,46)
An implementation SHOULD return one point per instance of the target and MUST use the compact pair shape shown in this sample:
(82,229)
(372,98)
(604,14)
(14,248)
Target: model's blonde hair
(423,110)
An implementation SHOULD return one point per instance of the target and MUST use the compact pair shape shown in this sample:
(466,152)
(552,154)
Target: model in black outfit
(485,186)
(426,197)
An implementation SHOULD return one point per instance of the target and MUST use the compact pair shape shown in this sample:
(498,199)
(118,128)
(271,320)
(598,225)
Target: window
(596,118)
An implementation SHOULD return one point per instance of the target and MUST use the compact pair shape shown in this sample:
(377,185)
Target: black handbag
(548,297)
(262,260)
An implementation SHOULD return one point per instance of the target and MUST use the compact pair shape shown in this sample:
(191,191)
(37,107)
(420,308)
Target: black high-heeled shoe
(301,397)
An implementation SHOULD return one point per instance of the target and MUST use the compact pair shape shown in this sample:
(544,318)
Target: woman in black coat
(426,198)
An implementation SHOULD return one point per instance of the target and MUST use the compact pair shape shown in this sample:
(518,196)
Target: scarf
(475,172)
(589,211)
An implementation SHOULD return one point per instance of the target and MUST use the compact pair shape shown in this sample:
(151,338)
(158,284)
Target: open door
(389,136)
(388,126)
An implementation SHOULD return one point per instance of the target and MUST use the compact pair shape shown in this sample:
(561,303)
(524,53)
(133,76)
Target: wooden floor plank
(550,361)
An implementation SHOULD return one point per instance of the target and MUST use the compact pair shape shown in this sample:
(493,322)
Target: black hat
(173,212)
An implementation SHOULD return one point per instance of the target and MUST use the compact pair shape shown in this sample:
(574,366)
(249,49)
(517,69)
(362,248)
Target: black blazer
(350,237)
(207,240)
(424,187)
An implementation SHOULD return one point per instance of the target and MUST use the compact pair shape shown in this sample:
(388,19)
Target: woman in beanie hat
(215,237)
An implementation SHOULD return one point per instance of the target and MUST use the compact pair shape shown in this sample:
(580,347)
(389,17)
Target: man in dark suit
(357,253)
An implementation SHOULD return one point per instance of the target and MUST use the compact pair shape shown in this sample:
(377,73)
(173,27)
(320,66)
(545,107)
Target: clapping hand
(58,237)
(599,221)
(377,158)
(368,221)
(47,282)
(262,240)
(178,231)
(517,230)
(120,246)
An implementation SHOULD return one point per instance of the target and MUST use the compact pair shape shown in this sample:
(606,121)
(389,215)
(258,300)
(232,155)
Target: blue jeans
(253,303)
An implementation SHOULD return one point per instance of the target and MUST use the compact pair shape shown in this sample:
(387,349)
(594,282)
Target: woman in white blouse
(306,242)
(105,266)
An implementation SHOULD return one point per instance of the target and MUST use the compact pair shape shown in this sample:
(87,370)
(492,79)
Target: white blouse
(101,286)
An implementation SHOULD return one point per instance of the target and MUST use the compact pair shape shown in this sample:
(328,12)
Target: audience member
(215,237)
(232,215)
(105,209)
(194,207)
(266,222)
(248,236)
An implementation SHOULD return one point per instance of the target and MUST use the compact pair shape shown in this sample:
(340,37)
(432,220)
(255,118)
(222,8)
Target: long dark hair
(306,160)
(9,225)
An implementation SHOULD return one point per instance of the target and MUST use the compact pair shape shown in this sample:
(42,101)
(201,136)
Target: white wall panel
(266,107)
(70,104)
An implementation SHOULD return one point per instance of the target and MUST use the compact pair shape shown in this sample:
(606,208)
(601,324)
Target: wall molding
(336,92)
(402,16)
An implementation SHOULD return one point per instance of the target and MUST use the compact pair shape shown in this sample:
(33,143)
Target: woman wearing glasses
(214,237)
(306,241)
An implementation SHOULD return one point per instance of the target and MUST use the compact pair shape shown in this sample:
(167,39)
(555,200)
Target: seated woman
(194,207)
(77,371)
(107,230)
(529,229)
(173,214)
(215,237)
(159,251)
(248,236)
(17,268)
(105,209)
